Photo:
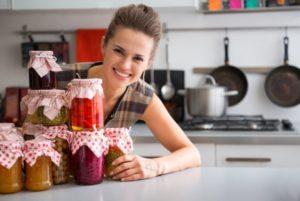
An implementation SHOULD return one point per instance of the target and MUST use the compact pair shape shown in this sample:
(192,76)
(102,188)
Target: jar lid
(47,93)
(6,126)
(86,82)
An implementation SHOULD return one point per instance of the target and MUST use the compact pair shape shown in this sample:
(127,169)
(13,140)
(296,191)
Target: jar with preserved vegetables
(120,143)
(61,137)
(88,151)
(42,68)
(38,156)
(86,104)
(46,107)
(10,166)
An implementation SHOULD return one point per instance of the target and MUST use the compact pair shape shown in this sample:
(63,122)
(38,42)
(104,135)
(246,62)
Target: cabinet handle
(241,159)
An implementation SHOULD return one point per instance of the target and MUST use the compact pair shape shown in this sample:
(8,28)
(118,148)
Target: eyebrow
(139,55)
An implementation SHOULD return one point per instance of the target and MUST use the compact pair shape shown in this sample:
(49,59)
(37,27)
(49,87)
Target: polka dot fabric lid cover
(39,147)
(10,151)
(94,140)
(119,137)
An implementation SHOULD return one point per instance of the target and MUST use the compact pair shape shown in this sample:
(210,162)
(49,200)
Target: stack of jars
(47,115)
(11,154)
(89,145)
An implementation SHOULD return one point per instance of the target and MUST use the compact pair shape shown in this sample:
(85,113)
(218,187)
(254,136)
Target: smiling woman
(128,50)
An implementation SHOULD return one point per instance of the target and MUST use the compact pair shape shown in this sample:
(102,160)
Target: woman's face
(126,56)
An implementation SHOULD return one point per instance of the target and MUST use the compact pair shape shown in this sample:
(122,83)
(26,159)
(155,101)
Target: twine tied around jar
(35,148)
(10,151)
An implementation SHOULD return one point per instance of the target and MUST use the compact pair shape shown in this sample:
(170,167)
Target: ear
(103,45)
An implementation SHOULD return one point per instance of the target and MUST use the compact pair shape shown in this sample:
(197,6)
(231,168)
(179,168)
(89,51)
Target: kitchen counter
(141,134)
(208,184)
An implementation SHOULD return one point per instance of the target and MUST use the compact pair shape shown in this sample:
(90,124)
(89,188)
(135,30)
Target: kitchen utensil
(168,90)
(208,99)
(152,80)
(231,77)
(282,84)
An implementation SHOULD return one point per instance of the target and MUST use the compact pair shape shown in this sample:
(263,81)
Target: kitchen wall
(187,49)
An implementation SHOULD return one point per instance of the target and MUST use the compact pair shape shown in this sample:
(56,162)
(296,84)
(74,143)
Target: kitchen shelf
(203,9)
(258,70)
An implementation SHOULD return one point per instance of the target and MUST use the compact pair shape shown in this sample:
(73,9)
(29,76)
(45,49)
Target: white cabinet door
(94,4)
(258,155)
(5,4)
(152,150)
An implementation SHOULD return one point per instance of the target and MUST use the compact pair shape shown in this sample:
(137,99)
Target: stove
(237,123)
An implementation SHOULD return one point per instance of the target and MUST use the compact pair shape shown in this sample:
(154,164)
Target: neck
(111,94)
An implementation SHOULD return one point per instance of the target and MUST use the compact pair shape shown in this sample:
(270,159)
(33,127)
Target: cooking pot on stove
(208,99)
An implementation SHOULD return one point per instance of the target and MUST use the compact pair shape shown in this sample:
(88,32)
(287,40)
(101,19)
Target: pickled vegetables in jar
(46,107)
(42,68)
(39,156)
(10,167)
(88,150)
(86,104)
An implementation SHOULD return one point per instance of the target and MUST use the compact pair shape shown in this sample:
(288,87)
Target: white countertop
(141,133)
(207,184)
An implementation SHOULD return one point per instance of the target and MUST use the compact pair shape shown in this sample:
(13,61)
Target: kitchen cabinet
(93,4)
(5,4)
(229,155)
(152,150)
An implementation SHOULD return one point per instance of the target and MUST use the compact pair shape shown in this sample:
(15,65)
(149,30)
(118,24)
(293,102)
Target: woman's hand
(133,167)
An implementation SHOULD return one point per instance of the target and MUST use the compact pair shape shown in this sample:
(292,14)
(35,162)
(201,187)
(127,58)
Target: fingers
(133,177)
(123,159)
(126,173)
(122,167)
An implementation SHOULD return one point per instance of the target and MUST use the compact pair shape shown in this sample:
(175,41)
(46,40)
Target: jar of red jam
(10,166)
(61,137)
(46,107)
(39,156)
(88,151)
(42,68)
(120,143)
(86,104)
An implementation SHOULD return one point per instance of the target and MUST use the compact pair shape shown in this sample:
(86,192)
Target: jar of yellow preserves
(39,155)
(10,166)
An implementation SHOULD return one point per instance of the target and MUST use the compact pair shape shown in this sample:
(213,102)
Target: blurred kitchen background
(188,48)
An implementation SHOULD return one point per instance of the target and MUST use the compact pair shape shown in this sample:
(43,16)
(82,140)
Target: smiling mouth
(124,75)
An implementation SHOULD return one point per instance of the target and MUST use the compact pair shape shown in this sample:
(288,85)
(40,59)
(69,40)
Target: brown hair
(138,17)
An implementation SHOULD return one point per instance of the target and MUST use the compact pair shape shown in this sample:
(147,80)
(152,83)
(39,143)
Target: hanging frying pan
(282,84)
(231,77)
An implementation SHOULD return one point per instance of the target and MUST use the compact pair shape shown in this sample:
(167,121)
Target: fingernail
(122,179)
(111,173)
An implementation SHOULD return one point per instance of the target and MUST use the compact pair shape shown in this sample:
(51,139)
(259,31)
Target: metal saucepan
(282,84)
(231,77)
(208,99)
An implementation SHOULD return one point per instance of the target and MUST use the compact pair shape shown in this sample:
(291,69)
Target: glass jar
(88,152)
(61,173)
(120,143)
(38,156)
(86,111)
(46,107)
(42,67)
(10,167)
(39,176)
(88,169)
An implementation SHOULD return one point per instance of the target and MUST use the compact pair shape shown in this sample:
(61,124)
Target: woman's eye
(139,59)
(118,51)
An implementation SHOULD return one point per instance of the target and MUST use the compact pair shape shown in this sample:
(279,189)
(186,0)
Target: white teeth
(122,74)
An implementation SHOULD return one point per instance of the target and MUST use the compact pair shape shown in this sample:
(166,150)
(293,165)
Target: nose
(125,64)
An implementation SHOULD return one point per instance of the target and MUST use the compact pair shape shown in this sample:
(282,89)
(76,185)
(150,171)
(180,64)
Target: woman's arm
(183,153)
